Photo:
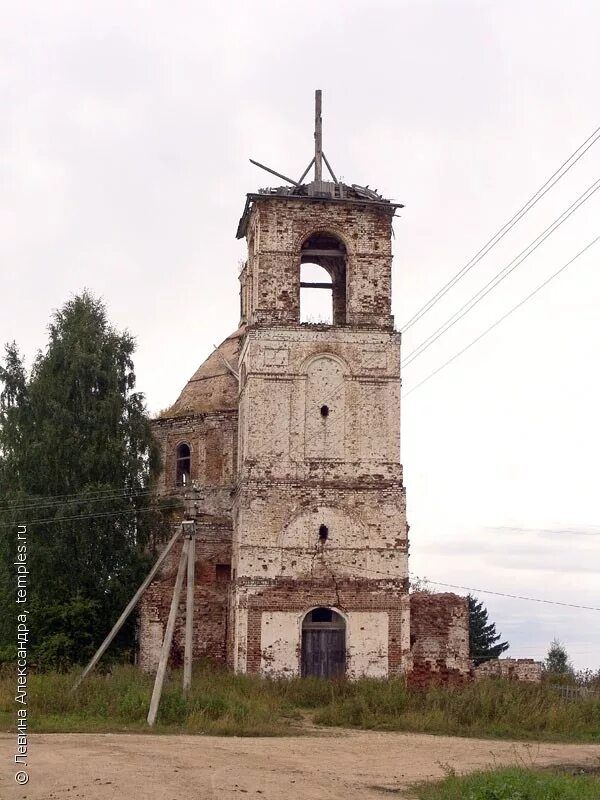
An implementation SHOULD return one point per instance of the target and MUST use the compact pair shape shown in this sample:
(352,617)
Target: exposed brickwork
(213,547)
(439,637)
(277,229)
(211,434)
(212,438)
(514,669)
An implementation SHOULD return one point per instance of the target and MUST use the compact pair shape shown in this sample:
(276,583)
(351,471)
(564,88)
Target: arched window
(183,465)
(323,280)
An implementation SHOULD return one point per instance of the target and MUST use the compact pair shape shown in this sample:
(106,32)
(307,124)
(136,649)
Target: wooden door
(323,652)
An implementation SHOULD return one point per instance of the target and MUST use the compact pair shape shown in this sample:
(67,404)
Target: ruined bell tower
(319,569)
(284,449)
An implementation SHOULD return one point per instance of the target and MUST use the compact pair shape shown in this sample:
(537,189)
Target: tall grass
(511,783)
(491,708)
(218,703)
(222,703)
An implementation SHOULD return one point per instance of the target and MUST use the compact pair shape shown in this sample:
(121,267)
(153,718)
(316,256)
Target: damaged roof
(214,386)
(316,191)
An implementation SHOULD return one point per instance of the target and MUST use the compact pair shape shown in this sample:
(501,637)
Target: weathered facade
(288,440)
(439,632)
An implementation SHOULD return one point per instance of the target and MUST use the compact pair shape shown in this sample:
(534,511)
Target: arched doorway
(323,644)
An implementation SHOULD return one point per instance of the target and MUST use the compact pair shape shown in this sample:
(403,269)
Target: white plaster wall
(345,529)
(268,432)
(240,638)
(291,373)
(379,421)
(277,533)
(280,642)
(405,653)
(367,644)
(325,436)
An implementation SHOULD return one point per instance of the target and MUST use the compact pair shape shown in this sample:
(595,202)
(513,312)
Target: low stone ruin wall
(514,669)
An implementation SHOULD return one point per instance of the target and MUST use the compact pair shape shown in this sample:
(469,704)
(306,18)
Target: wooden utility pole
(318,137)
(130,606)
(166,645)
(189,531)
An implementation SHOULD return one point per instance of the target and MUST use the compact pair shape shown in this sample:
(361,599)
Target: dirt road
(345,765)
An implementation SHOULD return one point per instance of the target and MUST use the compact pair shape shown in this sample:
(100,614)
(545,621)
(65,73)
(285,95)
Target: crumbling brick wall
(439,636)
(212,439)
(277,228)
(514,669)
(212,567)
(204,417)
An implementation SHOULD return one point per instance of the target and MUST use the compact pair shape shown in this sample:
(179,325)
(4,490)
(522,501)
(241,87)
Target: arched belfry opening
(323,279)
(323,644)
(183,464)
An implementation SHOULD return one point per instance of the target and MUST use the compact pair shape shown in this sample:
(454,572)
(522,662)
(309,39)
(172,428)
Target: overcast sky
(125,134)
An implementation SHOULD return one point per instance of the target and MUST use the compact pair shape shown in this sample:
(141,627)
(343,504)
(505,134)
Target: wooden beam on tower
(328,165)
(272,171)
(322,251)
(318,137)
(305,173)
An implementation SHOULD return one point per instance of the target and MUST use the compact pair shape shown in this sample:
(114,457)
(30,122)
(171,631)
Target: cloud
(590,530)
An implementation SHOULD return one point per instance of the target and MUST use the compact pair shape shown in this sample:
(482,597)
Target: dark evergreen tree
(484,641)
(75,446)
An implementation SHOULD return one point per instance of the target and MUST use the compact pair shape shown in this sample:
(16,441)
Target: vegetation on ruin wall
(222,703)
(512,784)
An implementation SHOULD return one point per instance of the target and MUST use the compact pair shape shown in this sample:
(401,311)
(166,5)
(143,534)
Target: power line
(513,596)
(502,318)
(535,198)
(482,591)
(91,516)
(504,273)
(57,498)
(77,499)
(344,563)
(427,580)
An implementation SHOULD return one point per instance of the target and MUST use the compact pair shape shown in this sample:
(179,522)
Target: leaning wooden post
(189,531)
(131,605)
(166,645)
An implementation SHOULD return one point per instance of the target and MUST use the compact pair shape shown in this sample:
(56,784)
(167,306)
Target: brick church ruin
(286,444)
